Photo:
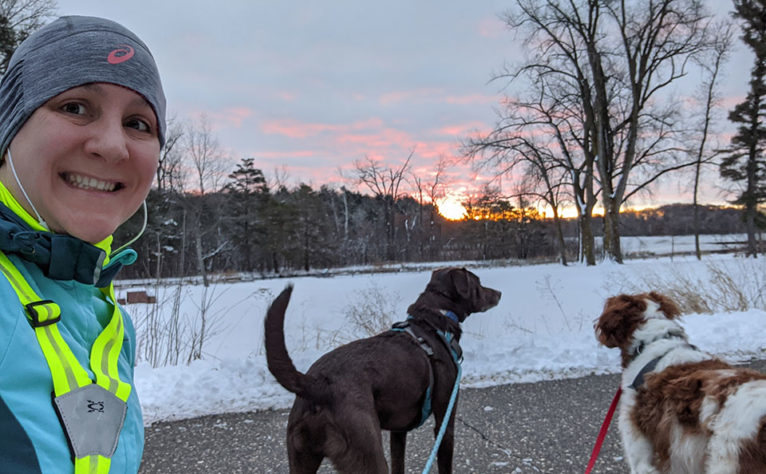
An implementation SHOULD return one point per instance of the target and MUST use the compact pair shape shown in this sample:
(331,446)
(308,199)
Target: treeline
(672,219)
(678,219)
(248,227)
(271,232)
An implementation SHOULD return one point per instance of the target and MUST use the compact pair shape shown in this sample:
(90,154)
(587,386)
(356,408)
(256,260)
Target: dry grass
(370,311)
(726,286)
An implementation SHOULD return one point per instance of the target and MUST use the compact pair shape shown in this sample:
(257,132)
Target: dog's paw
(643,468)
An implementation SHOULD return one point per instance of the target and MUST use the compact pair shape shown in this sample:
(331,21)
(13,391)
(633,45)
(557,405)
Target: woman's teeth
(84,182)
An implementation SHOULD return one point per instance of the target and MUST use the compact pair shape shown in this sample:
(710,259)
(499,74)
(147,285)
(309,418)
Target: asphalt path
(545,427)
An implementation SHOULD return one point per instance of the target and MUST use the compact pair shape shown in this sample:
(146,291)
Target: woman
(82,121)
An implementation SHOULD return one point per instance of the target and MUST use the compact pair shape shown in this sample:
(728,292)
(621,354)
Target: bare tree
(202,150)
(426,193)
(435,189)
(605,64)
(170,172)
(18,19)
(546,142)
(208,162)
(711,65)
(546,182)
(384,182)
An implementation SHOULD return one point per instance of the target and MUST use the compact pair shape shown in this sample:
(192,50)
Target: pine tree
(744,162)
(247,189)
(18,19)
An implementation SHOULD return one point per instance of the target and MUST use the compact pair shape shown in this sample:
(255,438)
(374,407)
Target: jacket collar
(59,256)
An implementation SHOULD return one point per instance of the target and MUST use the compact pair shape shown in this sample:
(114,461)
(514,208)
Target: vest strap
(48,313)
(92,465)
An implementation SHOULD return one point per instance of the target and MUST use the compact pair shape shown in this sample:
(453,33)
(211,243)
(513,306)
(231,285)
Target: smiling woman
(450,208)
(82,121)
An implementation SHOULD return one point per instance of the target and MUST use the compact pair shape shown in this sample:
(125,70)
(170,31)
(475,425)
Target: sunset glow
(567,212)
(451,208)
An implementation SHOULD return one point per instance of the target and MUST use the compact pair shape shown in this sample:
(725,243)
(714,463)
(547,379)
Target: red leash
(604,429)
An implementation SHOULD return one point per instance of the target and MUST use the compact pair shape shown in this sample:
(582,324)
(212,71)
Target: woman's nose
(108,140)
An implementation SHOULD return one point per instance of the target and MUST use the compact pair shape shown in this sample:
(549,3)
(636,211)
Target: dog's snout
(491,298)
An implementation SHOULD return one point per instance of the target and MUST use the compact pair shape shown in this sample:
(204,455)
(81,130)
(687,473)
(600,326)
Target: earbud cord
(18,181)
(140,233)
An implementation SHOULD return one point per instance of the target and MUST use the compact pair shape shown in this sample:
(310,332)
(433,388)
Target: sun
(450,208)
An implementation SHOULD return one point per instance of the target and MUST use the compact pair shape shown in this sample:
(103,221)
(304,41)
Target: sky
(520,340)
(310,88)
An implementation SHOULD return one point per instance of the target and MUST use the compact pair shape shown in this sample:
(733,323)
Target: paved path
(545,427)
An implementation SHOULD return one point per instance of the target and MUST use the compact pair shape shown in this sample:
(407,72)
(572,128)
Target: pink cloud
(492,27)
(376,138)
(460,131)
(287,96)
(232,116)
(472,99)
(295,129)
(325,153)
(438,149)
(435,95)
(287,154)
(397,97)
(729,102)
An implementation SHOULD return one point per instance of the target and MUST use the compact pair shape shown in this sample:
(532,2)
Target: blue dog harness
(449,341)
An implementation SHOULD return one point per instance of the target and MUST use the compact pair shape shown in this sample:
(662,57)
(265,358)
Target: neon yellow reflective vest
(31,433)
(70,372)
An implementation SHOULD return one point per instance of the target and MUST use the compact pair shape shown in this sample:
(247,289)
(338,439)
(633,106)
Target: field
(542,329)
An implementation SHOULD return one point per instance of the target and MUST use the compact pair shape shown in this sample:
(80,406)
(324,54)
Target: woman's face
(86,159)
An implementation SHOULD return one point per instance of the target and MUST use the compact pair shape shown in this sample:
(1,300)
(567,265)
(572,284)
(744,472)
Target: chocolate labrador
(392,381)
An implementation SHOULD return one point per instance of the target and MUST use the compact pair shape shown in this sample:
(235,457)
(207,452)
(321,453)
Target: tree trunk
(182,253)
(306,249)
(752,245)
(587,243)
(697,250)
(612,230)
(751,201)
(390,231)
(198,251)
(560,237)
(248,251)
(158,268)
(615,247)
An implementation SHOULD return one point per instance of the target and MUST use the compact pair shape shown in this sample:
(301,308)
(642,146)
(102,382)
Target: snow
(541,330)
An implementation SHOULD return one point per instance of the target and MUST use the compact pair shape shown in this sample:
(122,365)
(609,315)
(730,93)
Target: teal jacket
(31,437)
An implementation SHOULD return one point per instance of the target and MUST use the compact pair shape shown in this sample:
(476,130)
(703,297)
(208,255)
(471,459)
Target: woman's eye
(73,108)
(138,124)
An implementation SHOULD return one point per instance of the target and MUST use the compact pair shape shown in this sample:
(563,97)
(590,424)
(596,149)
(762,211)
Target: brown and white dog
(682,410)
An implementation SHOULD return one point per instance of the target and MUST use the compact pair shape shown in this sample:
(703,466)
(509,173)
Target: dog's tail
(278,360)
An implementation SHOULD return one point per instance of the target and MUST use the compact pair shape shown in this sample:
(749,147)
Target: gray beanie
(73,51)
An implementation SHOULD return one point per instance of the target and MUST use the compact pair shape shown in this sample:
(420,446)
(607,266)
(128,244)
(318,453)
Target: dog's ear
(621,317)
(439,275)
(464,282)
(453,278)
(668,307)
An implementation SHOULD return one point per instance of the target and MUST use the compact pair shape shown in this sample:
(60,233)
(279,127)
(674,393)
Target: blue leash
(457,357)
(445,421)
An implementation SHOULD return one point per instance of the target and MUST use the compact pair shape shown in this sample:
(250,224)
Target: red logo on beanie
(121,54)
